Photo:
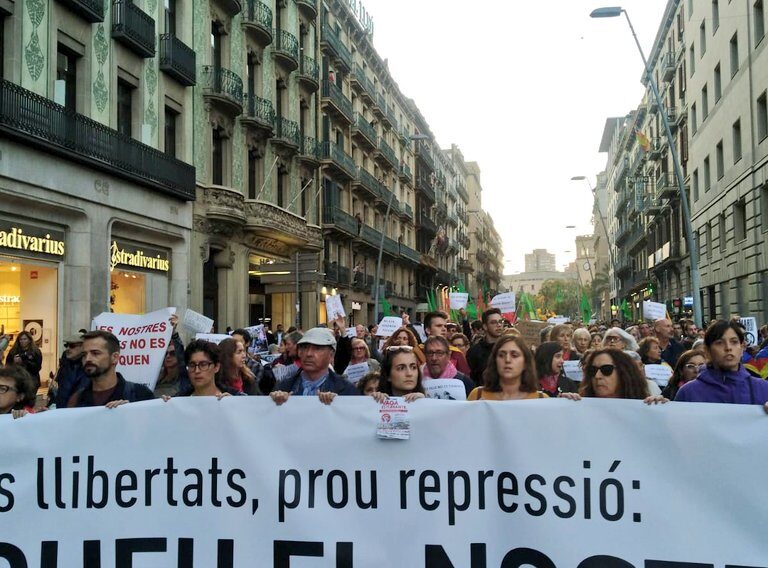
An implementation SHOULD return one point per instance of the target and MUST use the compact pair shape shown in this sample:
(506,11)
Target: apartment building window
(694,119)
(719,160)
(764,207)
(723,236)
(739,221)
(707,175)
(734,54)
(692,59)
(759,17)
(171,117)
(170,17)
(736,133)
(704,103)
(66,77)
(762,117)
(281,188)
(718,84)
(702,38)
(217,39)
(707,236)
(217,156)
(695,184)
(254,167)
(124,107)
(715,16)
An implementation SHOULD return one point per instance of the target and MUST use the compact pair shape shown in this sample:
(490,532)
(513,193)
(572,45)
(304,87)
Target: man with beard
(107,387)
(478,354)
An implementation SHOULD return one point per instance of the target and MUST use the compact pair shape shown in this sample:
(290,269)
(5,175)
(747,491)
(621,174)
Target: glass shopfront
(138,277)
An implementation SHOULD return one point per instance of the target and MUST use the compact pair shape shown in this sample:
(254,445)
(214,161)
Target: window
(704,103)
(692,60)
(254,170)
(708,238)
(736,132)
(694,119)
(739,221)
(764,207)
(170,131)
(735,54)
(695,184)
(718,84)
(707,176)
(66,78)
(217,156)
(719,160)
(124,107)
(721,231)
(762,117)
(715,16)
(702,38)
(758,16)
(170,17)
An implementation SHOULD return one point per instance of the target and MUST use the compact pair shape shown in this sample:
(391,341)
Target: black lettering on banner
(453,506)
(49,554)
(404,475)
(283,504)
(170,472)
(195,487)
(619,489)
(604,562)
(667,564)
(503,491)
(284,549)
(373,502)
(125,548)
(436,557)
(568,513)
(125,481)
(214,472)
(434,487)
(57,468)
(236,487)
(342,477)
(75,483)
(8,505)
(225,556)
(344,555)
(482,477)
(13,555)
(149,475)
(536,495)
(186,553)
(587,493)
(92,476)
(41,504)
(525,556)
(92,554)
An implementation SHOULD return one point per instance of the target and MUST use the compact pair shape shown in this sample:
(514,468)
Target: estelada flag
(643,140)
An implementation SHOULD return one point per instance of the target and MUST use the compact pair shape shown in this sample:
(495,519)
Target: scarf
(549,383)
(449,372)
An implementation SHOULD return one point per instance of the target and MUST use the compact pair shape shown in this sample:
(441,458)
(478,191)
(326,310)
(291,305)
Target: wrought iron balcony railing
(340,219)
(222,83)
(309,72)
(259,110)
(286,46)
(342,53)
(342,160)
(365,128)
(333,93)
(177,59)
(257,17)
(91,10)
(287,131)
(133,27)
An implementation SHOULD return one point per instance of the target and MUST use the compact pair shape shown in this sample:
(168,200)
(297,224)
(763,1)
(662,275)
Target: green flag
(431,301)
(625,309)
(525,306)
(586,308)
(386,309)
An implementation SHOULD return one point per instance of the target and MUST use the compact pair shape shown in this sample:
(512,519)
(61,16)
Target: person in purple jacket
(725,379)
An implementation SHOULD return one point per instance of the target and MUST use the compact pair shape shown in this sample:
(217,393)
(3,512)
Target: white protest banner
(195,322)
(388,326)
(356,372)
(660,374)
(444,389)
(420,331)
(557,320)
(351,332)
(143,342)
(258,336)
(573,370)
(505,302)
(334,308)
(654,310)
(476,483)
(212,337)
(750,327)
(458,300)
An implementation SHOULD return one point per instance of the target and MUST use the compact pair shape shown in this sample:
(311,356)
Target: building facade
(540,260)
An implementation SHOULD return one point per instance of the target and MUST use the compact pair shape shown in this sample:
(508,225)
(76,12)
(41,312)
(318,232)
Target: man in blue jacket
(71,376)
(725,379)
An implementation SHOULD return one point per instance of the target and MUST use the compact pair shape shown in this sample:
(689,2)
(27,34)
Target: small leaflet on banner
(356,372)
(212,337)
(420,330)
(458,300)
(351,332)
(195,322)
(389,325)
(654,310)
(444,389)
(660,374)
(143,342)
(557,320)
(393,420)
(334,308)
(750,327)
(505,302)
(573,370)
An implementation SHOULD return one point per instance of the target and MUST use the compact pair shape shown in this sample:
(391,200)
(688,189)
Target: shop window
(127,292)
(66,78)
(124,107)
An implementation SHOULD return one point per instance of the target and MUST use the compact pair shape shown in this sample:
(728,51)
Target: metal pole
(381,251)
(298,292)
(693,253)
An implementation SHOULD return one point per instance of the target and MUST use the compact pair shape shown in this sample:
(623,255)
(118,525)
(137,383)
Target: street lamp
(612,12)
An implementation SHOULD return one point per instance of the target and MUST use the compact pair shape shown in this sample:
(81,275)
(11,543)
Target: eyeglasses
(5,388)
(358,349)
(613,339)
(202,366)
(692,367)
(435,353)
(393,348)
(605,370)
(495,322)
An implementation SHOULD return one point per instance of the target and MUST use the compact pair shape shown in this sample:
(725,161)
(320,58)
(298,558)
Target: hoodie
(716,385)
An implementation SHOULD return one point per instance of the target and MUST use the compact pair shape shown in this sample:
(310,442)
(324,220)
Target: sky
(524,89)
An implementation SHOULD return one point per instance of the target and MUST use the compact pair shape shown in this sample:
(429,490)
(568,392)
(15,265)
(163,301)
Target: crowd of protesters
(487,359)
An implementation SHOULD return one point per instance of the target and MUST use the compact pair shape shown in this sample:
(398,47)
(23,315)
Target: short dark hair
(365,381)
(432,315)
(644,347)
(113,343)
(202,346)
(632,384)
(717,329)
(245,334)
(544,355)
(529,381)
(489,312)
(476,325)
(23,383)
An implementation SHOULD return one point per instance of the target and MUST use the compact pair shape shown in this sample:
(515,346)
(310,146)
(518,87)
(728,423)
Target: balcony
(462,191)
(655,151)
(424,185)
(666,255)
(465,266)
(405,173)
(257,20)
(426,222)
(177,59)
(309,153)
(285,48)
(363,82)
(133,28)
(668,66)
(623,267)
(409,254)
(672,118)
(441,210)
(308,8)
(388,154)
(333,43)
(334,157)
(370,236)
(407,212)
(622,233)
(366,181)
(309,74)
(620,173)
(231,7)
(423,151)
(391,247)
(39,122)
(666,187)
(335,273)
(287,133)
(223,88)
(259,114)
(364,131)
(225,205)
(335,219)
(336,101)
(268,220)
(91,11)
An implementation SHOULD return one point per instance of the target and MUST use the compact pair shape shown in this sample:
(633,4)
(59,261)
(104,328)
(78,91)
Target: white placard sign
(476,483)
(660,374)
(422,336)
(334,308)
(143,342)
(654,310)
(444,389)
(458,300)
(356,372)
(351,332)
(750,326)
(573,370)
(505,302)
(388,326)
(557,320)
(212,337)
(195,322)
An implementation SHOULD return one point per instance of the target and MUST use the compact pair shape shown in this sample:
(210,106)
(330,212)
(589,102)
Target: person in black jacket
(71,376)
(478,354)
(26,354)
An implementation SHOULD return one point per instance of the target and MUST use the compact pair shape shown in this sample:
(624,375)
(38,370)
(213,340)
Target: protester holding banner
(262,377)
(202,359)
(688,367)
(233,372)
(610,373)
(563,333)
(400,375)
(510,374)
(404,336)
(107,387)
(439,367)
(671,348)
(479,354)
(549,368)
(619,339)
(27,354)
(17,391)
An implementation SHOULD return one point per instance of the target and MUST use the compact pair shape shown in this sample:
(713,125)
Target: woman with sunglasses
(203,361)
(510,373)
(400,375)
(404,336)
(687,369)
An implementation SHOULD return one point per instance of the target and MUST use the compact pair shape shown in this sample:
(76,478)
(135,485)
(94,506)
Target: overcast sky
(524,88)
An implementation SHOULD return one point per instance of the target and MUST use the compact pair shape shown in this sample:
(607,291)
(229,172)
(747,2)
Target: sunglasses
(605,370)
(395,348)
